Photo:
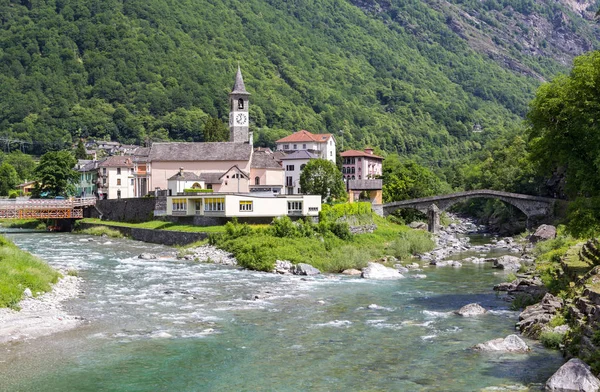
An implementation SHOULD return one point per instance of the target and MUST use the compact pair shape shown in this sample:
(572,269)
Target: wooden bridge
(44,208)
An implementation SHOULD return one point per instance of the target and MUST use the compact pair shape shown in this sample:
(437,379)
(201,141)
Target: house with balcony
(361,165)
(322,145)
(88,178)
(116,178)
(294,163)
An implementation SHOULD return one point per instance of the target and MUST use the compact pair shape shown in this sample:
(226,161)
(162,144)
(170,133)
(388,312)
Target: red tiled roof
(305,136)
(356,153)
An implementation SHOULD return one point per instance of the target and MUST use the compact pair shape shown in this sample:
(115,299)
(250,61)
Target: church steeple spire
(239,115)
(238,87)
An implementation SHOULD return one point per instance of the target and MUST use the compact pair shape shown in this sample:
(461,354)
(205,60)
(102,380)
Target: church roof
(305,136)
(238,87)
(215,151)
(262,159)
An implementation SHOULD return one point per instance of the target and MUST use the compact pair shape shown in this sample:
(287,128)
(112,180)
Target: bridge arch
(530,205)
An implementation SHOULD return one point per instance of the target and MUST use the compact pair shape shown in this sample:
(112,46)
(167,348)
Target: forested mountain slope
(414,77)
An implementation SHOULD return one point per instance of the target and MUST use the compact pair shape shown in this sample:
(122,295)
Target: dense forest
(398,74)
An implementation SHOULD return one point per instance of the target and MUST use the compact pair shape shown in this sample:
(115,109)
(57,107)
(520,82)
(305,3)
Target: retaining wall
(131,210)
(165,237)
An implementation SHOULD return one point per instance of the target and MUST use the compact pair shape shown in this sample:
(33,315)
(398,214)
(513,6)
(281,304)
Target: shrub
(235,229)
(13,194)
(524,300)
(551,339)
(331,213)
(283,227)
(193,190)
(557,321)
(102,231)
(412,242)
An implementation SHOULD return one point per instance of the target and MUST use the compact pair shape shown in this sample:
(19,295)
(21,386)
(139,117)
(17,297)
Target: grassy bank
(159,225)
(20,270)
(23,224)
(102,231)
(327,246)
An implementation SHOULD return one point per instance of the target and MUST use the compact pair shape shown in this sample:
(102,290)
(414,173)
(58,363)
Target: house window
(118,181)
(304,146)
(256,180)
(104,181)
(132,182)
(245,205)
(295,146)
(289,168)
(179,205)
(294,207)
(330,153)
(286,146)
(359,176)
(313,209)
(208,186)
(299,191)
(118,170)
(198,205)
(214,204)
(288,181)
(132,170)
(103,171)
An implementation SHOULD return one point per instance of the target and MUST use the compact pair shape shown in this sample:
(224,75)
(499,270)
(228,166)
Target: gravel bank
(41,316)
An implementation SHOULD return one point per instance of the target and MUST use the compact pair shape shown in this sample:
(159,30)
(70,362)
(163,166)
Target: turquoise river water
(170,325)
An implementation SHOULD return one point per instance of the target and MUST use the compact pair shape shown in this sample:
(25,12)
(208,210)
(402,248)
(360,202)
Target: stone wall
(123,210)
(164,237)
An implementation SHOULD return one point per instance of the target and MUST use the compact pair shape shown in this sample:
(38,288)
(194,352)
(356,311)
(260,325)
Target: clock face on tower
(241,119)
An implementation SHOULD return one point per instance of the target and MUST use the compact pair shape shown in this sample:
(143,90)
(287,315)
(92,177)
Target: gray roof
(216,151)
(238,87)
(185,176)
(264,160)
(211,178)
(302,154)
(358,185)
(90,166)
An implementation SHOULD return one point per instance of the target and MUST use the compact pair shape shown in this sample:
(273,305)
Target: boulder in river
(508,263)
(418,225)
(147,256)
(544,232)
(533,317)
(305,269)
(283,267)
(574,376)
(511,343)
(351,272)
(471,310)
(378,271)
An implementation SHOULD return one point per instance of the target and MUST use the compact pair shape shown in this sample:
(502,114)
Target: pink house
(361,165)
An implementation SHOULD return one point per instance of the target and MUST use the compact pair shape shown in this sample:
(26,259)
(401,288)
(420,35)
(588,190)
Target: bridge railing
(46,204)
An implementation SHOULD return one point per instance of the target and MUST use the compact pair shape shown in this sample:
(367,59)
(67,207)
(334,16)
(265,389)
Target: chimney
(181,171)
(369,151)
(251,138)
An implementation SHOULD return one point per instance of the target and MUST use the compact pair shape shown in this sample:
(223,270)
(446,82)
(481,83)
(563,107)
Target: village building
(116,178)
(141,174)
(322,145)
(361,165)
(294,163)
(245,206)
(88,178)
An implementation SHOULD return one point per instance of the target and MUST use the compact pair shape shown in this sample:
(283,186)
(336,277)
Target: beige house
(244,205)
(116,178)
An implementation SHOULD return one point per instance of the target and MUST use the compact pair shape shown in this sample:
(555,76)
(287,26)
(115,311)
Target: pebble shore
(42,315)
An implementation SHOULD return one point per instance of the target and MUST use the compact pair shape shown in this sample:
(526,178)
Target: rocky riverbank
(42,315)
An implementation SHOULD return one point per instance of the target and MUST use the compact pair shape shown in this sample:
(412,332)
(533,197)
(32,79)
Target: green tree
(564,128)
(23,164)
(215,131)
(409,180)
(321,177)
(55,174)
(80,152)
(8,178)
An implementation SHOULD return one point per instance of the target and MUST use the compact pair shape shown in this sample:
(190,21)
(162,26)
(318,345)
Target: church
(232,167)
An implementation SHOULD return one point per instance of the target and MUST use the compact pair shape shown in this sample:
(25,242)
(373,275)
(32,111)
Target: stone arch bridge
(531,206)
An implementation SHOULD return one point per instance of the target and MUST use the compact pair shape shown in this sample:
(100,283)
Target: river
(171,325)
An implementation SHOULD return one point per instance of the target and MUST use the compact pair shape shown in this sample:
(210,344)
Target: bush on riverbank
(23,224)
(20,270)
(328,246)
(102,231)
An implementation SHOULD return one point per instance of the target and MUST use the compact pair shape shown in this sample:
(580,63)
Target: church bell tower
(239,119)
